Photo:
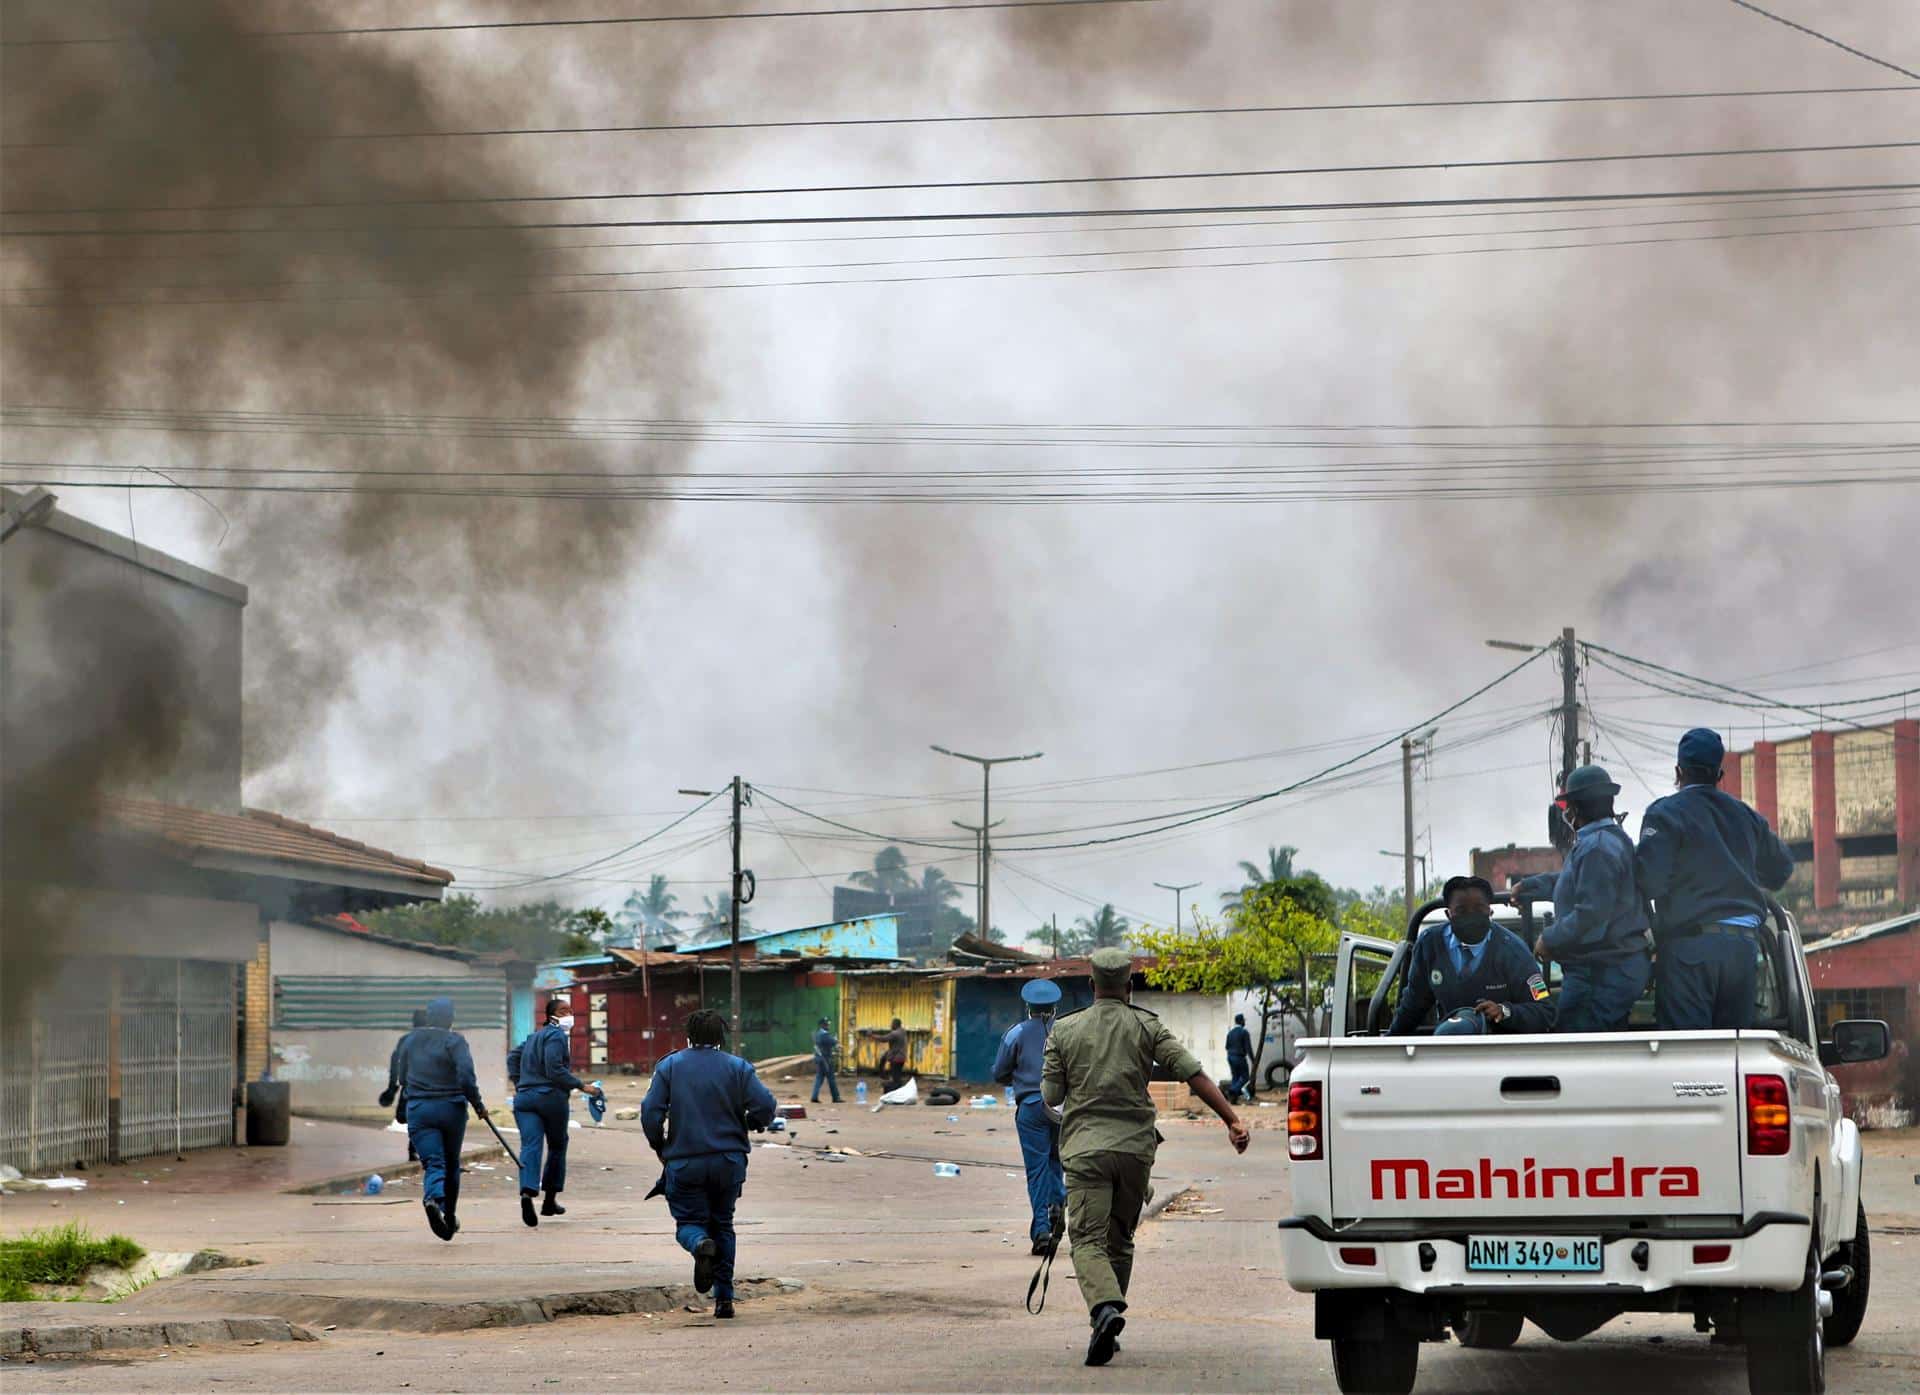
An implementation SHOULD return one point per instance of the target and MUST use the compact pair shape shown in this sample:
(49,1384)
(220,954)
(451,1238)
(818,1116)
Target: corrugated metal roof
(255,833)
(1840,939)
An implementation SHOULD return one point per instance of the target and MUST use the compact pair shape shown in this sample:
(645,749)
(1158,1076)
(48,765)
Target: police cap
(1112,968)
(1703,748)
(1040,992)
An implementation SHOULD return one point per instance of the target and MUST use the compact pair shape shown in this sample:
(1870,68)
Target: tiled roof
(255,833)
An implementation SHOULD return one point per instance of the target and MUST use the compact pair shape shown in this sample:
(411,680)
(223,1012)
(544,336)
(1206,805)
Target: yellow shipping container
(924,1007)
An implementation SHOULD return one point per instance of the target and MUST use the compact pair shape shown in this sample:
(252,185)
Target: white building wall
(1199,1020)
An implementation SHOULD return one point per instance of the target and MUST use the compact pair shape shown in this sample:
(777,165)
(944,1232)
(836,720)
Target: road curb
(1163,1198)
(66,1340)
(343,1183)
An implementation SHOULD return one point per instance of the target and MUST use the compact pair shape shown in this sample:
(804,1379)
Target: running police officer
(540,1070)
(397,1075)
(1239,1059)
(1599,930)
(1473,973)
(1022,1052)
(440,1085)
(1707,861)
(1097,1065)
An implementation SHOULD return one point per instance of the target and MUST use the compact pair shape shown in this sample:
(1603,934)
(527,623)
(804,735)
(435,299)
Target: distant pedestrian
(1708,862)
(1599,930)
(540,1070)
(1022,1053)
(1097,1066)
(395,1095)
(893,1059)
(440,1085)
(825,1047)
(1239,1059)
(696,1115)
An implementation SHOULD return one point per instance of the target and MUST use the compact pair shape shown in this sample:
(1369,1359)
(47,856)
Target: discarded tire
(941,1095)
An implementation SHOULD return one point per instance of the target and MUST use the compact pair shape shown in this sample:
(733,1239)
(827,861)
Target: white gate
(176,1055)
(53,1073)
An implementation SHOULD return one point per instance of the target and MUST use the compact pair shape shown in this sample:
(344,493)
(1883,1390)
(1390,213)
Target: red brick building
(1874,971)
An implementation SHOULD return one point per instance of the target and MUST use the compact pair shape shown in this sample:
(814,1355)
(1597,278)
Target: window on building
(1887,1004)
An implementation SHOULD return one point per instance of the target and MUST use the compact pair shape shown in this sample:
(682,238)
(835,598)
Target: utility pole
(1406,834)
(733,916)
(1569,706)
(1056,934)
(979,851)
(1176,890)
(986,764)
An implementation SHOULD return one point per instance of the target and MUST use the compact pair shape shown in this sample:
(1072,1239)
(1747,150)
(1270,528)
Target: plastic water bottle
(376,1184)
(946,1169)
(860,1092)
(1009,1097)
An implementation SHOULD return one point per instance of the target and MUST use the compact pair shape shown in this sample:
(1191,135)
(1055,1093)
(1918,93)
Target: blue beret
(1702,747)
(1040,992)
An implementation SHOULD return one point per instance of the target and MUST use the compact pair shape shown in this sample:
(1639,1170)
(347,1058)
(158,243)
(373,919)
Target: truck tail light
(1303,1120)
(1769,1119)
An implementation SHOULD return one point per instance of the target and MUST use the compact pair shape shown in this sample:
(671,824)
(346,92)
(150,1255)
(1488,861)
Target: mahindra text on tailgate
(1512,1128)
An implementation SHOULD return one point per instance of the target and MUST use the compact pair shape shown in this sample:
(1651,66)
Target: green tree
(889,873)
(536,930)
(1104,928)
(652,915)
(1279,867)
(719,909)
(1264,946)
(587,930)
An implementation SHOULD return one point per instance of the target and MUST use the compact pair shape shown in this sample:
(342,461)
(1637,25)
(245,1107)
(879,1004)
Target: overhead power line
(1827,39)
(929,186)
(609,857)
(985,216)
(161,35)
(1820,714)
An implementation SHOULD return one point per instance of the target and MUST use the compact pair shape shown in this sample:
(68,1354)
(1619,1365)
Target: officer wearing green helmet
(1599,930)
(1097,1065)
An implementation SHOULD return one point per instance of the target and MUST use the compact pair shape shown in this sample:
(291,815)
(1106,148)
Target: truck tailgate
(1466,1127)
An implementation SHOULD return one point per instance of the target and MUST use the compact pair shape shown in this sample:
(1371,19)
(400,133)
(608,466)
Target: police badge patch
(1537,986)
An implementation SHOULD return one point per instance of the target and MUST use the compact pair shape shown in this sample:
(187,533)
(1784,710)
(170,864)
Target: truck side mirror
(1856,1040)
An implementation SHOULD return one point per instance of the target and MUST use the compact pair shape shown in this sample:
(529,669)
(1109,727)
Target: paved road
(914,1284)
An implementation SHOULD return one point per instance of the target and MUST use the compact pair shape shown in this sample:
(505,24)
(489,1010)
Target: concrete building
(342,997)
(1874,971)
(136,891)
(1848,804)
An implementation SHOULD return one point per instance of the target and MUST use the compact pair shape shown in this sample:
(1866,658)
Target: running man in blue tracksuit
(1707,861)
(1239,1059)
(1022,1052)
(1476,976)
(696,1115)
(541,1073)
(440,1085)
(1599,930)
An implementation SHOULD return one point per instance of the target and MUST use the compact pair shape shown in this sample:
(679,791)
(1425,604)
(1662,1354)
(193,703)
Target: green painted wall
(778,1012)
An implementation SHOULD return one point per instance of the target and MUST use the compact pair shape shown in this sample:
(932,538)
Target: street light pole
(980,887)
(986,764)
(1176,890)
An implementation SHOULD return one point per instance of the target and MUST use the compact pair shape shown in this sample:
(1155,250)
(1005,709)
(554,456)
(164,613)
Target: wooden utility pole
(1569,706)
(1406,829)
(733,916)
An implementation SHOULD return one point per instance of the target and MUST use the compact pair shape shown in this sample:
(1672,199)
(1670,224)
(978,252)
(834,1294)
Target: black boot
(453,1223)
(723,1307)
(437,1219)
(703,1256)
(1107,1322)
(526,1209)
(552,1207)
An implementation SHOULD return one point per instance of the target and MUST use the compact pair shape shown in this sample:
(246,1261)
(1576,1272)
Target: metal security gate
(176,1055)
(53,1074)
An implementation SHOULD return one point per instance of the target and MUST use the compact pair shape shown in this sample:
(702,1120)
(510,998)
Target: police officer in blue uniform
(1239,1059)
(397,1075)
(1022,1051)
(696,1115)
(1599,930)
(1478,977)
(825,1045)
(1707,861)
(540,1070)
(440,1085)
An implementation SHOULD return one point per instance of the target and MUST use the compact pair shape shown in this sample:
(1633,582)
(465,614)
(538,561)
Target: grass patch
(59,1255)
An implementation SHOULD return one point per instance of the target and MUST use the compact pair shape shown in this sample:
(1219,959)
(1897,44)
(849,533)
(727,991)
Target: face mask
(565,1024)
(1471,927)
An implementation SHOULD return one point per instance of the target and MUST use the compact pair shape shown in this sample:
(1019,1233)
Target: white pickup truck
(1480,1182)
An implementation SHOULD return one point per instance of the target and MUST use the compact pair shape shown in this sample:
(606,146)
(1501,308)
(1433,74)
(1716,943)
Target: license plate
(1533,1254)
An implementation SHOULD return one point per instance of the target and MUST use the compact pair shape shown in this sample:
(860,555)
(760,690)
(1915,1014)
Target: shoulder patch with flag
(1537,985)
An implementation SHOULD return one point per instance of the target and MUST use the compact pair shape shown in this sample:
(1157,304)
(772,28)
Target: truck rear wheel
(1850,1303)
(1376,1365)
(1489,1329)
(1787,1348)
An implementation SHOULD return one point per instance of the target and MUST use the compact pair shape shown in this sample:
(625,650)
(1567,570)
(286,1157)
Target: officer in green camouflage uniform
(1098,1062)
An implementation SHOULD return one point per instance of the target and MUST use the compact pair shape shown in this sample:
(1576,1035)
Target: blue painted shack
(986,1002)
(875,937)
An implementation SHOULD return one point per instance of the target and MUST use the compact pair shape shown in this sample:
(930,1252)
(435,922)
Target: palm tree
(889,872)
(935,886)
(1279,867)
(719,912)
(652,915)
(1103,928)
